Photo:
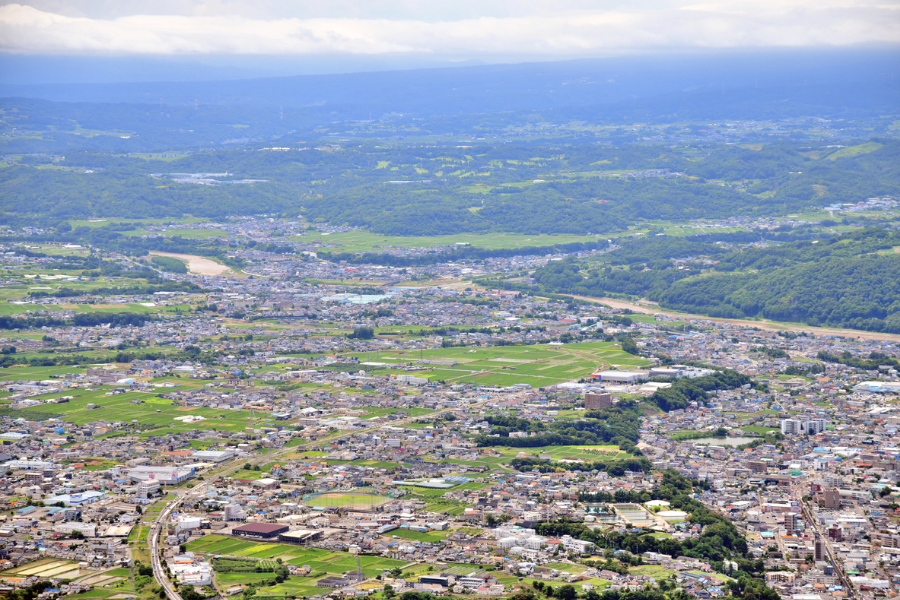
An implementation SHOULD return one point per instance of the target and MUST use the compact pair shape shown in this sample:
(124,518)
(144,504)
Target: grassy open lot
(371,413)
(349,499)
(429,536)
(651,571)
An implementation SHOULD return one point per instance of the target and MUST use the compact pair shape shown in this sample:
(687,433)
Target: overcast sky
(450,29)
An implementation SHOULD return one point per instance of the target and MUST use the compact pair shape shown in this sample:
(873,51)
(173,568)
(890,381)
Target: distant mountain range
(761,84)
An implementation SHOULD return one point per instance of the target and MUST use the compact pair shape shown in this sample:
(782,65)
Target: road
(195,493)
(838,567)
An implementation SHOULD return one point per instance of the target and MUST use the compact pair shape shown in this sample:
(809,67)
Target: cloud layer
(229,28)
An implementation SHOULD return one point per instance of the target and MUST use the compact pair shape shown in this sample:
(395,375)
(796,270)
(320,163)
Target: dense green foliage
(687,390)
(610,424)
(128,290)
(457,254)
(719,539)
(169,264)
(875,360)
(92,319)
(615,467)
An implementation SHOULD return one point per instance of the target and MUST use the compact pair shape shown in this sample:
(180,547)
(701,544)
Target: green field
(419,536)
(537,365)
(365,241)
(119,407)
(855,150)
(322,563)
(346,499)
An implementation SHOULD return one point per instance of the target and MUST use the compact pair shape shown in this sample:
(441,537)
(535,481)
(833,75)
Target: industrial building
(213,456)
(166,475)
(260,531)
(621,376)
(301,536)
(76,499)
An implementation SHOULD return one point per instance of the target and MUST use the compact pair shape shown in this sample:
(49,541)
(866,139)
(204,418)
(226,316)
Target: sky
(456,30)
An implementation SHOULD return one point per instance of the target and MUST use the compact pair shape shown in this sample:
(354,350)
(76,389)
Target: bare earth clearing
(197,264)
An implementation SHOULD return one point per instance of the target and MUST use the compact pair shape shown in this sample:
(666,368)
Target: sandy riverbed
(197,264)
(650,308)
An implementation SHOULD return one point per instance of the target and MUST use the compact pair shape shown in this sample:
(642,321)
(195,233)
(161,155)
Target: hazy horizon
(82,41)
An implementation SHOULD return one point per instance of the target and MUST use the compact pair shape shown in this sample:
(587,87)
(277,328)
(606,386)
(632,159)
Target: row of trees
(91,319)
(615,467)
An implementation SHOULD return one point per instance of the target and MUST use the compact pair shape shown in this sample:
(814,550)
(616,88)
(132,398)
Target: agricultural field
(361,240)
(565,452)
(49,567)
(537,365)
(323,563)
(119,407)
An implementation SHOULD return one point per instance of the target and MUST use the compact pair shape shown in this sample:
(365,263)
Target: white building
(215,456)
(621,376)
(167,475)
(86,529)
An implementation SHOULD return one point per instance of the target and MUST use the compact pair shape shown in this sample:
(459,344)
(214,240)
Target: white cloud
(226,27)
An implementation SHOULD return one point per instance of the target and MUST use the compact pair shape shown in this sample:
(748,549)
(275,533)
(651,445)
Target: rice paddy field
(49,567)
(321,562)
(538,365)
(634,514)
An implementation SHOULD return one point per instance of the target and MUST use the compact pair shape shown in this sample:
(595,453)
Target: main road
(826,543)
(182,495)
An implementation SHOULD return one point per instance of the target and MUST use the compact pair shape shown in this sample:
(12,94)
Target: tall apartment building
(595,401)
(803,425)
(791,523)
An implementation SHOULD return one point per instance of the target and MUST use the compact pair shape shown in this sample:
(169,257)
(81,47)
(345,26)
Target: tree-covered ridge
(859,293)
(851,280)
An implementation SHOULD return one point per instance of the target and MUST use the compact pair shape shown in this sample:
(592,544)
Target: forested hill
(443,189)
(850,281)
